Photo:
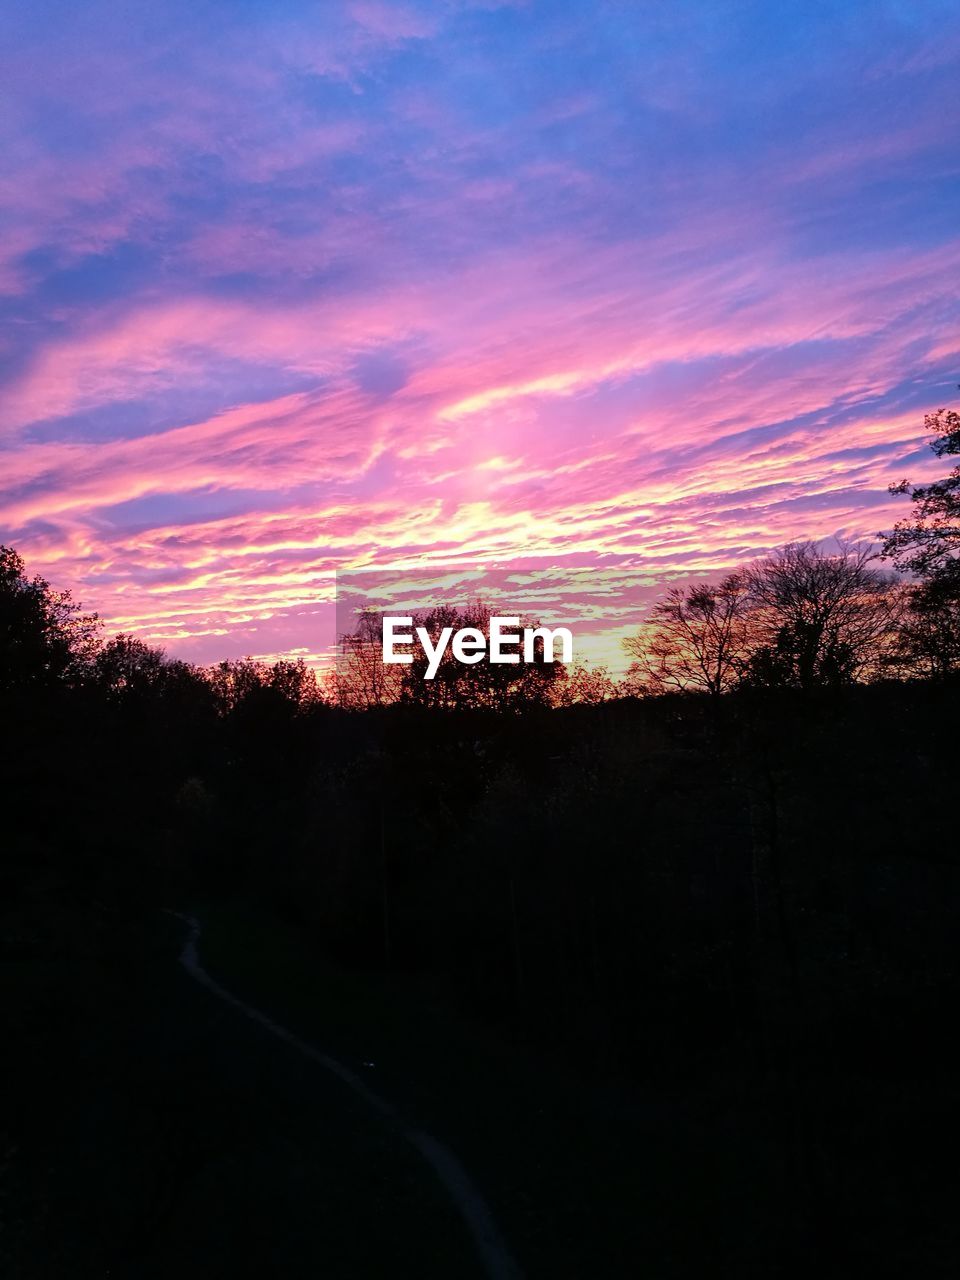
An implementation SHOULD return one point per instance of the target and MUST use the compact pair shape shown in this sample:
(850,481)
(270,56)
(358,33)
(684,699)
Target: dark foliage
(744,902)
(928,542)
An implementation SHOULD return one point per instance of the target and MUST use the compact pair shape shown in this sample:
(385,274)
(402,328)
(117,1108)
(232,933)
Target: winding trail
(497,1260)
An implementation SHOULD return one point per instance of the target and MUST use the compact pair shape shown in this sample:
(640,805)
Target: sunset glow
(292,288)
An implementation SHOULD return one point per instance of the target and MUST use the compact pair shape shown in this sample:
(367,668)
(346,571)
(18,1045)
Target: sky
(293,287)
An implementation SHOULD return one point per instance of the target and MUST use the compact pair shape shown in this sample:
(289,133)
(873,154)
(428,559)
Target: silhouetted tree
(361,678)
(126,667)
(45,637)
(696,640)
(928,642)
(141,680)
(295,682)
(818,619)
(246,686)
(928,544)
(583,685)
(233,682)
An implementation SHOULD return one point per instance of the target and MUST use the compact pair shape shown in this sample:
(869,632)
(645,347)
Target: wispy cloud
(292,287)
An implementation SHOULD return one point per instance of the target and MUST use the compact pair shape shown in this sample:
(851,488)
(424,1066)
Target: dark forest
(671,964)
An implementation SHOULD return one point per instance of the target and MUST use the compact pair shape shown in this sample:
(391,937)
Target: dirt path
(491,1247)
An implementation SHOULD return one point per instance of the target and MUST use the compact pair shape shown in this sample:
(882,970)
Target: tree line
(804,619)
(748,899)
(801,618)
